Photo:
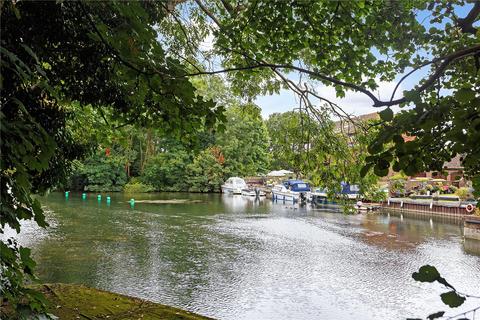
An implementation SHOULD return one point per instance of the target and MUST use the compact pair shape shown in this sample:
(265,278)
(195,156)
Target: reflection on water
(232,257)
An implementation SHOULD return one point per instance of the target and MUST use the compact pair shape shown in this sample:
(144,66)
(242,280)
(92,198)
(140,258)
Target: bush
(136,186)
(166,171)
(463,193)
(397,187)
(101,173)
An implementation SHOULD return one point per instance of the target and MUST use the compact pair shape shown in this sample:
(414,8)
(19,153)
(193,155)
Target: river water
(230,257)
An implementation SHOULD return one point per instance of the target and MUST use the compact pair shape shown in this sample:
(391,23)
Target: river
(230,257)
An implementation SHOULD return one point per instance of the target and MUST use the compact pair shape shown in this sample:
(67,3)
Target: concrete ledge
(471,228)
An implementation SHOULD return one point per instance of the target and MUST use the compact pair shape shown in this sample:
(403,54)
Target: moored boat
(249,192)
(350,191)
(291,190)
(234,185)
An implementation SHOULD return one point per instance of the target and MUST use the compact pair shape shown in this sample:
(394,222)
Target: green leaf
(452,299)
(386,115)
(375,147)
(426,273)
(380,171)
(436,315)
(412,95)
(365,169)
(465,95)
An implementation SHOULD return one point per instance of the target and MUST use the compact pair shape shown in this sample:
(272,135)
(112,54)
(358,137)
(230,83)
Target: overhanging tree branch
(445,62)
(466,24)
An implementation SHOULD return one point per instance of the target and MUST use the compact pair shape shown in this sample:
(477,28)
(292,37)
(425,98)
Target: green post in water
(132,202)
(108,200)
(84,196)
(67,193)
(99,197)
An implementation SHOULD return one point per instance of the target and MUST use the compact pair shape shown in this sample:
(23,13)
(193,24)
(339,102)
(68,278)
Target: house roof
(455,163)
(348,127)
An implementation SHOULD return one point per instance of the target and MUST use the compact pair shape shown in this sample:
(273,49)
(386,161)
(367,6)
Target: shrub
(136,186)
(463,193)
(397,187)
(399,176)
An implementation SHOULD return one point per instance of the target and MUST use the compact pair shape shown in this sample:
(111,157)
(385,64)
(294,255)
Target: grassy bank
(68,301)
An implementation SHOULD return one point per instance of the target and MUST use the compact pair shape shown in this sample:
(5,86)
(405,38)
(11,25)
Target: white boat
(253,192)
(280,192)
(234,185)
(291,190)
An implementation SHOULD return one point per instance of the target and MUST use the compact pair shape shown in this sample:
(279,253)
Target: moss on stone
(69,301)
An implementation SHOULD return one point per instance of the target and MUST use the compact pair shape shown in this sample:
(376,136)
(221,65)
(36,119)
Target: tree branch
(208,12)
(446,61)
(466,24)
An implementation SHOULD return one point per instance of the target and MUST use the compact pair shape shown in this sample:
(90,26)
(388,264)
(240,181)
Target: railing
(432,207)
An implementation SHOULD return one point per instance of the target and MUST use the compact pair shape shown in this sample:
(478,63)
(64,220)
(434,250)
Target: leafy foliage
(292,134)
(452,298)
(60,54)
(351,46)
(245,141)
(136,186)
(167,170)
(103,173)
(206,173)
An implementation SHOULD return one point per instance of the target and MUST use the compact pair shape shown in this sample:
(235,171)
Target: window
(354,187)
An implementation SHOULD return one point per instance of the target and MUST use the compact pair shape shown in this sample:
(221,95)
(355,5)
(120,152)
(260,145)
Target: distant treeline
(142,159)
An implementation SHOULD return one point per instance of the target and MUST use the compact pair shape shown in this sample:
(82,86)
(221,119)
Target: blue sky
(354,103)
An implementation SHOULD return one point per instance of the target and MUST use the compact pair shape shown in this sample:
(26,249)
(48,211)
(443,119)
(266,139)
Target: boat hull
(286,196)
(252,193)
(230,190)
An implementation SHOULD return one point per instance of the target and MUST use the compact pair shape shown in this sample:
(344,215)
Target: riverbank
(71,301)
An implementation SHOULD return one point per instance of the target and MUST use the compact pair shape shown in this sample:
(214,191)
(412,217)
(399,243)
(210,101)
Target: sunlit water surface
(230,257)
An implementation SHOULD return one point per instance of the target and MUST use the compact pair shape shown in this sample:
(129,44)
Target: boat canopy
(297,185)
(279,173)
(350,188)
(236,181)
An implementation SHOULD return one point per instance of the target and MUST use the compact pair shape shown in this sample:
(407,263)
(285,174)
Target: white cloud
(207,43)
(354,103)
(357,103)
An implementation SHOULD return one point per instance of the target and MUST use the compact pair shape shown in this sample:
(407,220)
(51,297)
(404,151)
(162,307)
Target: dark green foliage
(17,268)
(56,54)
(245,142)
(103,173)
(452,298)
(166,171)
(206,173)
(426,273)
(436,315)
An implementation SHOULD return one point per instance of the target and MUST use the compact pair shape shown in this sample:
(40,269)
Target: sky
(354,103)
